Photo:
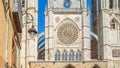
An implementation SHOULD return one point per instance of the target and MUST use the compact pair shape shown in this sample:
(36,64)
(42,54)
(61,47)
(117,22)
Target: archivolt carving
(77,19)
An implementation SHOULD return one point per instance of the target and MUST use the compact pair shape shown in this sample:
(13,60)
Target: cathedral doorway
(69,66)
(96,66)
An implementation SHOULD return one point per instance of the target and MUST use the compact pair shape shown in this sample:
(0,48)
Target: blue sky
(41,8)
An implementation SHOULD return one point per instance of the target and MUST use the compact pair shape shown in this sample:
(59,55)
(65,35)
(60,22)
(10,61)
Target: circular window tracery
(67,33)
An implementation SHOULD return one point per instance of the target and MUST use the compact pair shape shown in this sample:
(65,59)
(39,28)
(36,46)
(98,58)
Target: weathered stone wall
(87,64)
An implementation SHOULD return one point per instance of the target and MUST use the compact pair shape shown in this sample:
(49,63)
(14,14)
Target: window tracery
(110,4)
(23,3)
(119,4)
(113,24)
(71,55)
(78,55)
(67,33)
(64,55)
(57,55)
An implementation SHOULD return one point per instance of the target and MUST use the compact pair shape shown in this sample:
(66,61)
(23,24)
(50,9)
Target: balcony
(17,14)
(67,10)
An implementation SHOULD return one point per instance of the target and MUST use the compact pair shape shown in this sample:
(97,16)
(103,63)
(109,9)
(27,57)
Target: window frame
(23,3)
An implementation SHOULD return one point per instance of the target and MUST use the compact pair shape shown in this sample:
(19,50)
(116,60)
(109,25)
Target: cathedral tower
(106,16)
(109,33)
(67,31)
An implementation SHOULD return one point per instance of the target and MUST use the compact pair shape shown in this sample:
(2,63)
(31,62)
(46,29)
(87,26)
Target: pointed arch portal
(69,66)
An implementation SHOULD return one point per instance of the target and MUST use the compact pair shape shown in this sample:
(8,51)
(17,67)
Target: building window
(110,4)
(71,55)
(23,3)
(113,26)
(64,55)
(78,56)
(57,55)
(119,4)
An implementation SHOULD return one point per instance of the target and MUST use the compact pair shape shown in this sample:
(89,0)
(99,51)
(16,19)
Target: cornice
(110,11)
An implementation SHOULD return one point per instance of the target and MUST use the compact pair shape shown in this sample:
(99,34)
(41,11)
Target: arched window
(110,4)
(64,55)
(113,24)
(71,55)
(57,55)
(78,55)
(115,29)
(23,3)
(119,4)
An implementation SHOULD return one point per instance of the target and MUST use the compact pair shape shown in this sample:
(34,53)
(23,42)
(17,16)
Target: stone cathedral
(69,42)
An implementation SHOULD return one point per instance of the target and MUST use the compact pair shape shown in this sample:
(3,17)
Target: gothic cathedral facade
(29,42)
(68,41)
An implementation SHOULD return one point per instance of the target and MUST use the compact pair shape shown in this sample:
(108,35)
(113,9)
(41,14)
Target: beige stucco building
(10,29)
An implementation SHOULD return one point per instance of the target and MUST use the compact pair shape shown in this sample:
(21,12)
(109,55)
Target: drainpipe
(7,39)
(7,34)
(26,34)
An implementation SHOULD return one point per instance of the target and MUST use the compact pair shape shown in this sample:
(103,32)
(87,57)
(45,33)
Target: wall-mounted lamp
(32,31)
(29,19)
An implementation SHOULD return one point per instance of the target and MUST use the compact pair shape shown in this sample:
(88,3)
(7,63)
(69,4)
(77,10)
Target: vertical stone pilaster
(49,37)
(46,36)
(106,43)
(86,36)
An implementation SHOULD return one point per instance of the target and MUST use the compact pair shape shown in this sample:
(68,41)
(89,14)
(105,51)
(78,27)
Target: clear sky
(41,8)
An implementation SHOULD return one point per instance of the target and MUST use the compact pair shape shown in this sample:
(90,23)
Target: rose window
(67,33)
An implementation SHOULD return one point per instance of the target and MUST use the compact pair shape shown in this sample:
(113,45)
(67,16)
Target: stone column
(106,37)
(46,35)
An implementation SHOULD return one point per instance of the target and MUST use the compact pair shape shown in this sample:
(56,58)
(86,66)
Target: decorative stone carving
(116,53)
(57,19)
(67,33)
(77,19)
